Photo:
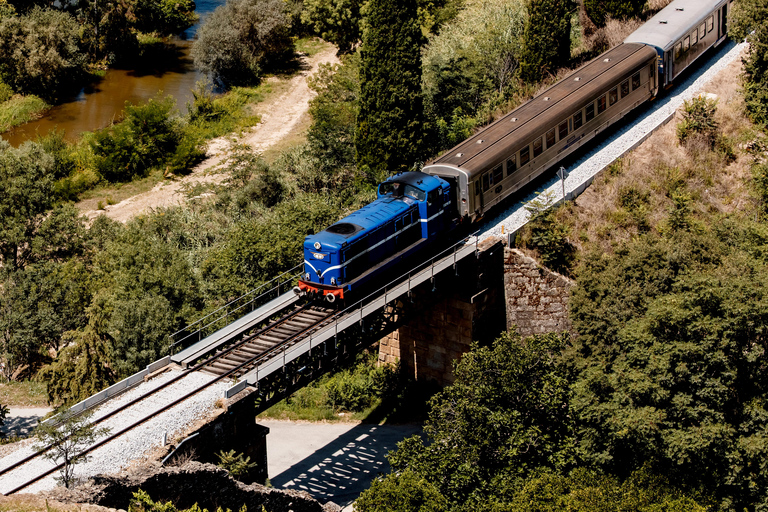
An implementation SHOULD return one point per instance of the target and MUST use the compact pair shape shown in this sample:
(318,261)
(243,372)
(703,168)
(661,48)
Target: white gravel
(583,171)
(132,445)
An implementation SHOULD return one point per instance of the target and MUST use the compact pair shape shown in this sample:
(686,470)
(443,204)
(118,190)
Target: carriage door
(723,15)
(434,205)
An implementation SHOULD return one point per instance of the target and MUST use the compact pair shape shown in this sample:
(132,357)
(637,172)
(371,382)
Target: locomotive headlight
(333,281)
(317,246)
(306,276)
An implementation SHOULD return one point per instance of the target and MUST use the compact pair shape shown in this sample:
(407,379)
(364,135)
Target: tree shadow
(345,467)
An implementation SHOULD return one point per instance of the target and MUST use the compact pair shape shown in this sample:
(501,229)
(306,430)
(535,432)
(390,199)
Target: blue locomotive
(411,211)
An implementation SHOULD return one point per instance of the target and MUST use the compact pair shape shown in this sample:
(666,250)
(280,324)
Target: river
(98,103)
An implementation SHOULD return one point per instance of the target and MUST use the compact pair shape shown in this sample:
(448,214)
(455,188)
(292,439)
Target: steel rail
(166,407)
(183,374)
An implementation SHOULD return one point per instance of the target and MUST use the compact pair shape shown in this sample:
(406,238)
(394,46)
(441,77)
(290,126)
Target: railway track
(228,363)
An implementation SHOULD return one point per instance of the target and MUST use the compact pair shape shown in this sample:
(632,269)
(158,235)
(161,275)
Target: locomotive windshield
(400,189)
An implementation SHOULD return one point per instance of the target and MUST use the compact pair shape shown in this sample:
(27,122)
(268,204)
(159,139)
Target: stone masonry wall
(470,309)
(536,298)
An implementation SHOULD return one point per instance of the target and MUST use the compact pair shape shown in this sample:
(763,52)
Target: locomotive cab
(411,210)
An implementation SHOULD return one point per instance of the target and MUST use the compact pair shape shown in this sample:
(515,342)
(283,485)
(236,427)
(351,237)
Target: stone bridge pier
(505,290)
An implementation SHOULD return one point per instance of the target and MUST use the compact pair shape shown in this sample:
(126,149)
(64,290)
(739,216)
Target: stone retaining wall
(536,298)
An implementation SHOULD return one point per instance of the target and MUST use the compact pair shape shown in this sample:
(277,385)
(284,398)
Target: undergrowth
(362,391)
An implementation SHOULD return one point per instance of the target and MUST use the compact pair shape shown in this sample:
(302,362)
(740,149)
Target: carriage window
(694,36)
(590,112)
(711,23)
(601,104)
(486,181)
(525,155)
(625,88)
(702,30)
(636,81)
(613,96)
(578,120)
(678,50)
(537,147)
(512,165)
(550,138)
(686,43)
(498,175)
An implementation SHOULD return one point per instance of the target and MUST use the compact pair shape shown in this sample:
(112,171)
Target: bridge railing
(235,309)
(357,312)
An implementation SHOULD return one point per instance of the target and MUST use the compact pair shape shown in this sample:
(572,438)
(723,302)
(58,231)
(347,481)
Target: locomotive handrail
(281,281)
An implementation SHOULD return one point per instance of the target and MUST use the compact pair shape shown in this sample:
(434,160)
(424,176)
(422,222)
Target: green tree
(240,38)
(668,370)
(145,290)
(64,442)
(336,21)
(40,52)
(391,133)
(750,20)
(600,10)
(471,64)
(26,194)
(258,249)
(587,491)
(331,135)
(547,38)
(82,368)
(401,492)
(506,415)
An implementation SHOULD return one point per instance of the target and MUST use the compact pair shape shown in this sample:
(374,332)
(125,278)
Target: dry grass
(32,503)
(23,394)
(657,5)
(635,194)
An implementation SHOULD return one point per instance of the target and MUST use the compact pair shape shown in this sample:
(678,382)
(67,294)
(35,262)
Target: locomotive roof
(673,22)
(420,180)
(496,142)
(363,221)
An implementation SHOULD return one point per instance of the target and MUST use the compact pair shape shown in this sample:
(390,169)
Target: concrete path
(331,461)
(23,420)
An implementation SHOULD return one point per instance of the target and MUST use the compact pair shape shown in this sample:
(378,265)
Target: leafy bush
(241,37)
(40,52)
(667,370)
(698,120)
(144,139)
(236,463)
(546,235)
(20,109)
(750,21)
(6,91)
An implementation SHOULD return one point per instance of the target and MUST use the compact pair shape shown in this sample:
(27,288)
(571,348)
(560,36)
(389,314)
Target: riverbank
(19,109)
(283,117)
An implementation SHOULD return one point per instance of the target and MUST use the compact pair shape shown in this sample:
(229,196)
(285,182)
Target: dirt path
(279,117)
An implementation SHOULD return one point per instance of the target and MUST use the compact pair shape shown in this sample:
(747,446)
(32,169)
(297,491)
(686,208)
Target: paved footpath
(22,420)
(331,461)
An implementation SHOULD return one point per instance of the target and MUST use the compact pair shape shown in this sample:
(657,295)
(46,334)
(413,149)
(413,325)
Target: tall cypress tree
(390,132)
(547,38)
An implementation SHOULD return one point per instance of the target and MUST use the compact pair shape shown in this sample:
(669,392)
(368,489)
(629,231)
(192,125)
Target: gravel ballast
(134,444)
(629,136)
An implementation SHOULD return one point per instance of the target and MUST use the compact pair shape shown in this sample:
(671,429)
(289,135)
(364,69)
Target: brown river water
(102,101)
